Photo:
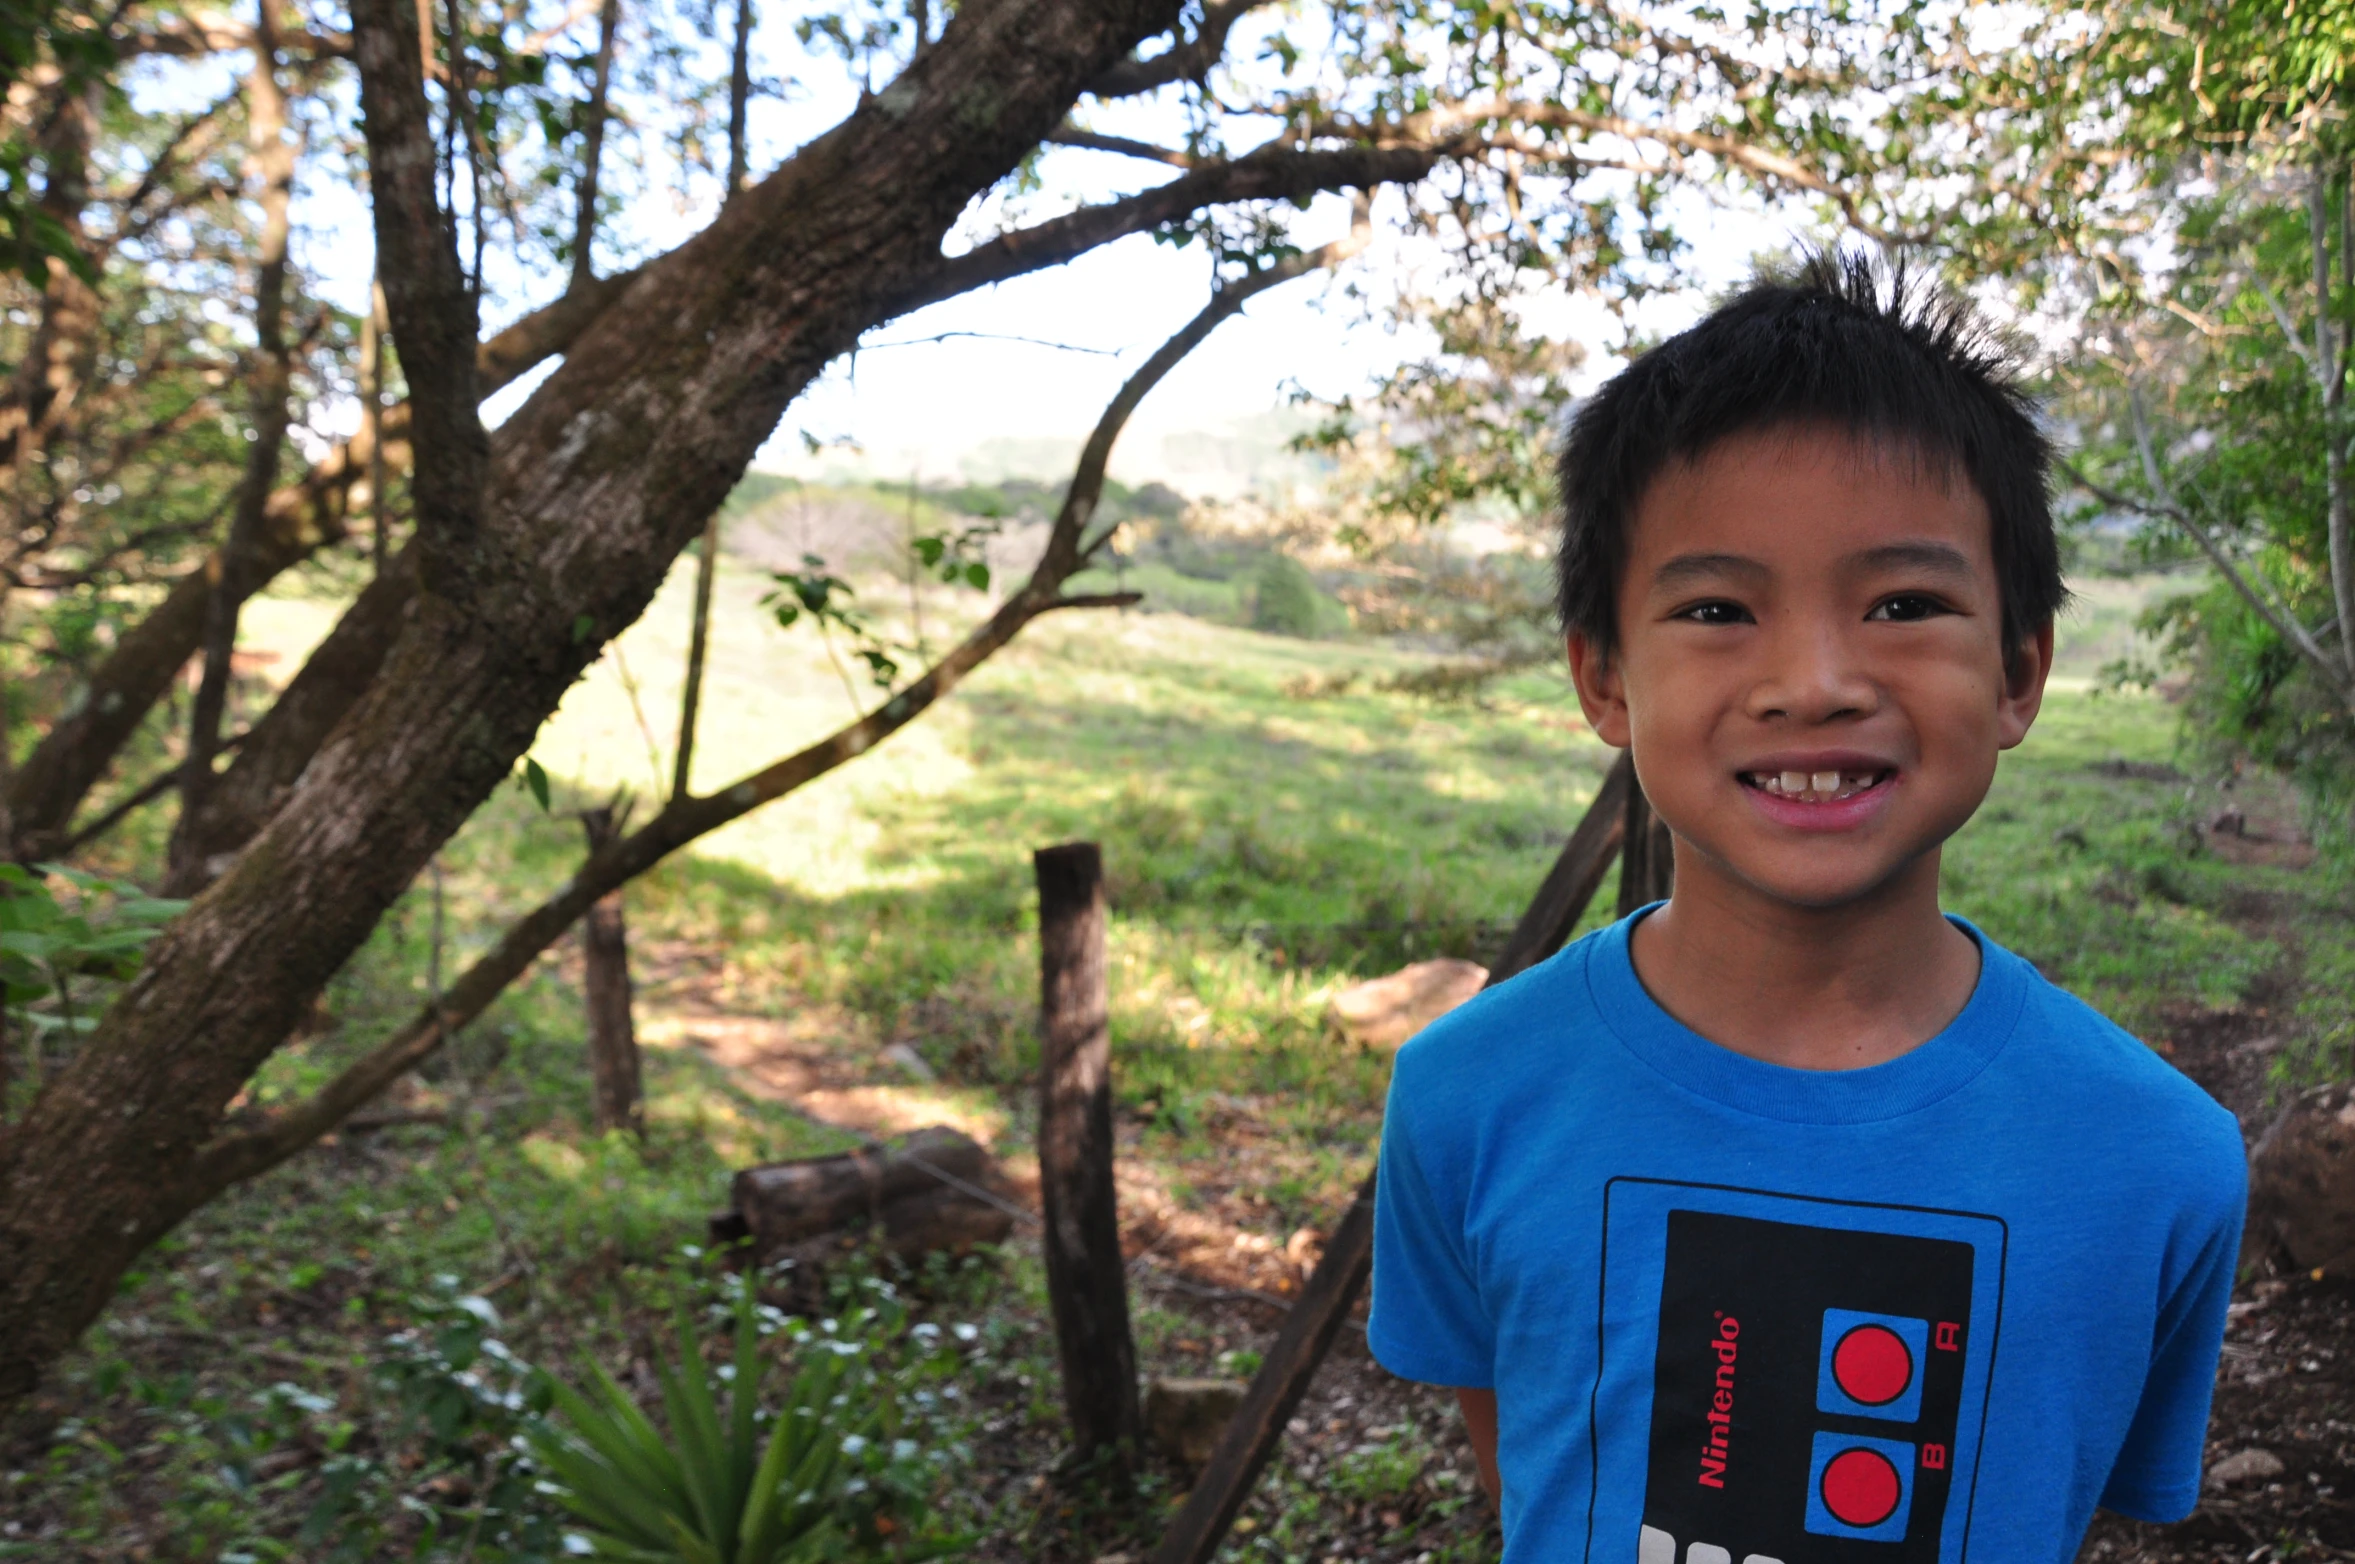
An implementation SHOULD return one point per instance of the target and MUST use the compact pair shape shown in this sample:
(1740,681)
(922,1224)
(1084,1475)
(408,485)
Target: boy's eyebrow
(1686,569)
(1938,559)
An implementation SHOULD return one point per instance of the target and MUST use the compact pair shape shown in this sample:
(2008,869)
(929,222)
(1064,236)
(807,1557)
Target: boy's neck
(1813,988)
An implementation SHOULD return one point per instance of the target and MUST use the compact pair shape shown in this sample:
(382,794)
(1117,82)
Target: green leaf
(977,576)
(535,777)
(582,627)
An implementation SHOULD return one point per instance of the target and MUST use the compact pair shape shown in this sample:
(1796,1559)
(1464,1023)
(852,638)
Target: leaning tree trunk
(595,486)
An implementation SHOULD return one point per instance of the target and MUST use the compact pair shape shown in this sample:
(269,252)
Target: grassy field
(251,1393)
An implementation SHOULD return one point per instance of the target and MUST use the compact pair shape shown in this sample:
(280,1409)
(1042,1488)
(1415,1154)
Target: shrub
(833,1478)
(1287,602)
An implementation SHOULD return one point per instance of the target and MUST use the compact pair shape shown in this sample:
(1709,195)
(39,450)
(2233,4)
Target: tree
(2199,171)
(535,545)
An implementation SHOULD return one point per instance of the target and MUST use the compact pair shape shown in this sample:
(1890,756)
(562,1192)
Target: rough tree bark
(277,748)
(594,487)
(605,987)
(1087,1280)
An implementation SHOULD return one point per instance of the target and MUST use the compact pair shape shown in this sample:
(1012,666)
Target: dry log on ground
(928,1192)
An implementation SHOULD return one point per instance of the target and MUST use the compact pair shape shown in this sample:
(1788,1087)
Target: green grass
(1264,844)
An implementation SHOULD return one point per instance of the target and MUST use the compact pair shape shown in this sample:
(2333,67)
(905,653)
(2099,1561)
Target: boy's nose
(1812,676)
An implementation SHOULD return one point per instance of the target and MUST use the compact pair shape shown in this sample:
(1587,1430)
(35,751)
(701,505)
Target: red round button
(1872,1365)
(1860,1487)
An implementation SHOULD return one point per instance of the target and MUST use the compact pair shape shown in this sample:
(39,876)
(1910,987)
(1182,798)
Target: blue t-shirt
(1736,1313)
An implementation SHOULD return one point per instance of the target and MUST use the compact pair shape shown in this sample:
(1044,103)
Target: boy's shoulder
(2105,1069)
(1537,1021)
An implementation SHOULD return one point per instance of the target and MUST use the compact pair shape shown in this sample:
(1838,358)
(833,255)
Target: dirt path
(2281,1439)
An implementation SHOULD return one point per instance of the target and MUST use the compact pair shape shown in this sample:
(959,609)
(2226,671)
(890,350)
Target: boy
(1792,1220)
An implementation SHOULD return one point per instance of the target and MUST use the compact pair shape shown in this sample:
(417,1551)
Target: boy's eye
(1906,608)
(1718,613)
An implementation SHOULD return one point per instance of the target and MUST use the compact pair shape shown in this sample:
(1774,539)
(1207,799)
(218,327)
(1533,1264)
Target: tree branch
(271,155)
(1280,173)
(425,289)
(1184,60)
(2168,509)
(242,1154)
(1072,136)
(1457,126)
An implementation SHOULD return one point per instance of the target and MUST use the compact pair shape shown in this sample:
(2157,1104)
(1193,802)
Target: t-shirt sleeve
(1428,1321)
(2157,1474)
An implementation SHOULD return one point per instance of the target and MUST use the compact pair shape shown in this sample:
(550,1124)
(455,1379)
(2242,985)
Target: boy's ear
(2023,686)
(1602,692)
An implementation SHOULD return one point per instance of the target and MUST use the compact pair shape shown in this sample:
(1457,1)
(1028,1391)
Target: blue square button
(1870,1365)
(1859,1487)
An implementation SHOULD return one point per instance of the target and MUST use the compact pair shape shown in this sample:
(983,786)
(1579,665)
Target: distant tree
(1285,599)
(2171,191)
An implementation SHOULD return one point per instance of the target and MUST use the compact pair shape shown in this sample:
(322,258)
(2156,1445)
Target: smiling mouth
(1816,787)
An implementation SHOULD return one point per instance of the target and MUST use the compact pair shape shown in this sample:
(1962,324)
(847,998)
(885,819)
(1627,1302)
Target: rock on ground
(1184,1417)
(2302,1186)
(2244,1466)
(1385,1011)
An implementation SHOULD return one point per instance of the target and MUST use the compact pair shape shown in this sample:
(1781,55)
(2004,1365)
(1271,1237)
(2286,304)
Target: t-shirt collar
(1912,1080)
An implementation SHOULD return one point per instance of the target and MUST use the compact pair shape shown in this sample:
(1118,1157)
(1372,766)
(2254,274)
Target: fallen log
(927,1192)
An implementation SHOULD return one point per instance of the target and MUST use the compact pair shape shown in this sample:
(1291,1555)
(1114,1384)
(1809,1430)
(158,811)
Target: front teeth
(1815,787)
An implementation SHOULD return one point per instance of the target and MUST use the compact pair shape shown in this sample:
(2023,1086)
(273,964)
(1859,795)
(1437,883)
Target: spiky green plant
(711,1492)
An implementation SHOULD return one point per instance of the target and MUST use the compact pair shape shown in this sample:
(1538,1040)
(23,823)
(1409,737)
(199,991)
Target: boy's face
(1811,667)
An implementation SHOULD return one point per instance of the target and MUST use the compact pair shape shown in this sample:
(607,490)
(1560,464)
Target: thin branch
(1072,136)
(1274,173)
(2253,592)
(2289,327)
(989,336)
(1449,125)
(621,665)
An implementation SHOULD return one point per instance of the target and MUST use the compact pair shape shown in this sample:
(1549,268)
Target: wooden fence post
(1309,1327)
(605,981)
(1647,858)
(1087,1279)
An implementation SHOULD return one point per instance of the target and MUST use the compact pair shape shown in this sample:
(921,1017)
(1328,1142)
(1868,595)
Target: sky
(943,395)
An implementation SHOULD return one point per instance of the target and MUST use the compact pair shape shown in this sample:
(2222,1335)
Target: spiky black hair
(1849,345)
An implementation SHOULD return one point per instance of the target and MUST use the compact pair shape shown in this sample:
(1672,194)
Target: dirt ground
(2281,1441)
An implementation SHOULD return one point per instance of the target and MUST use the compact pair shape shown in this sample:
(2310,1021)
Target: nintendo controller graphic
(1788,1380)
